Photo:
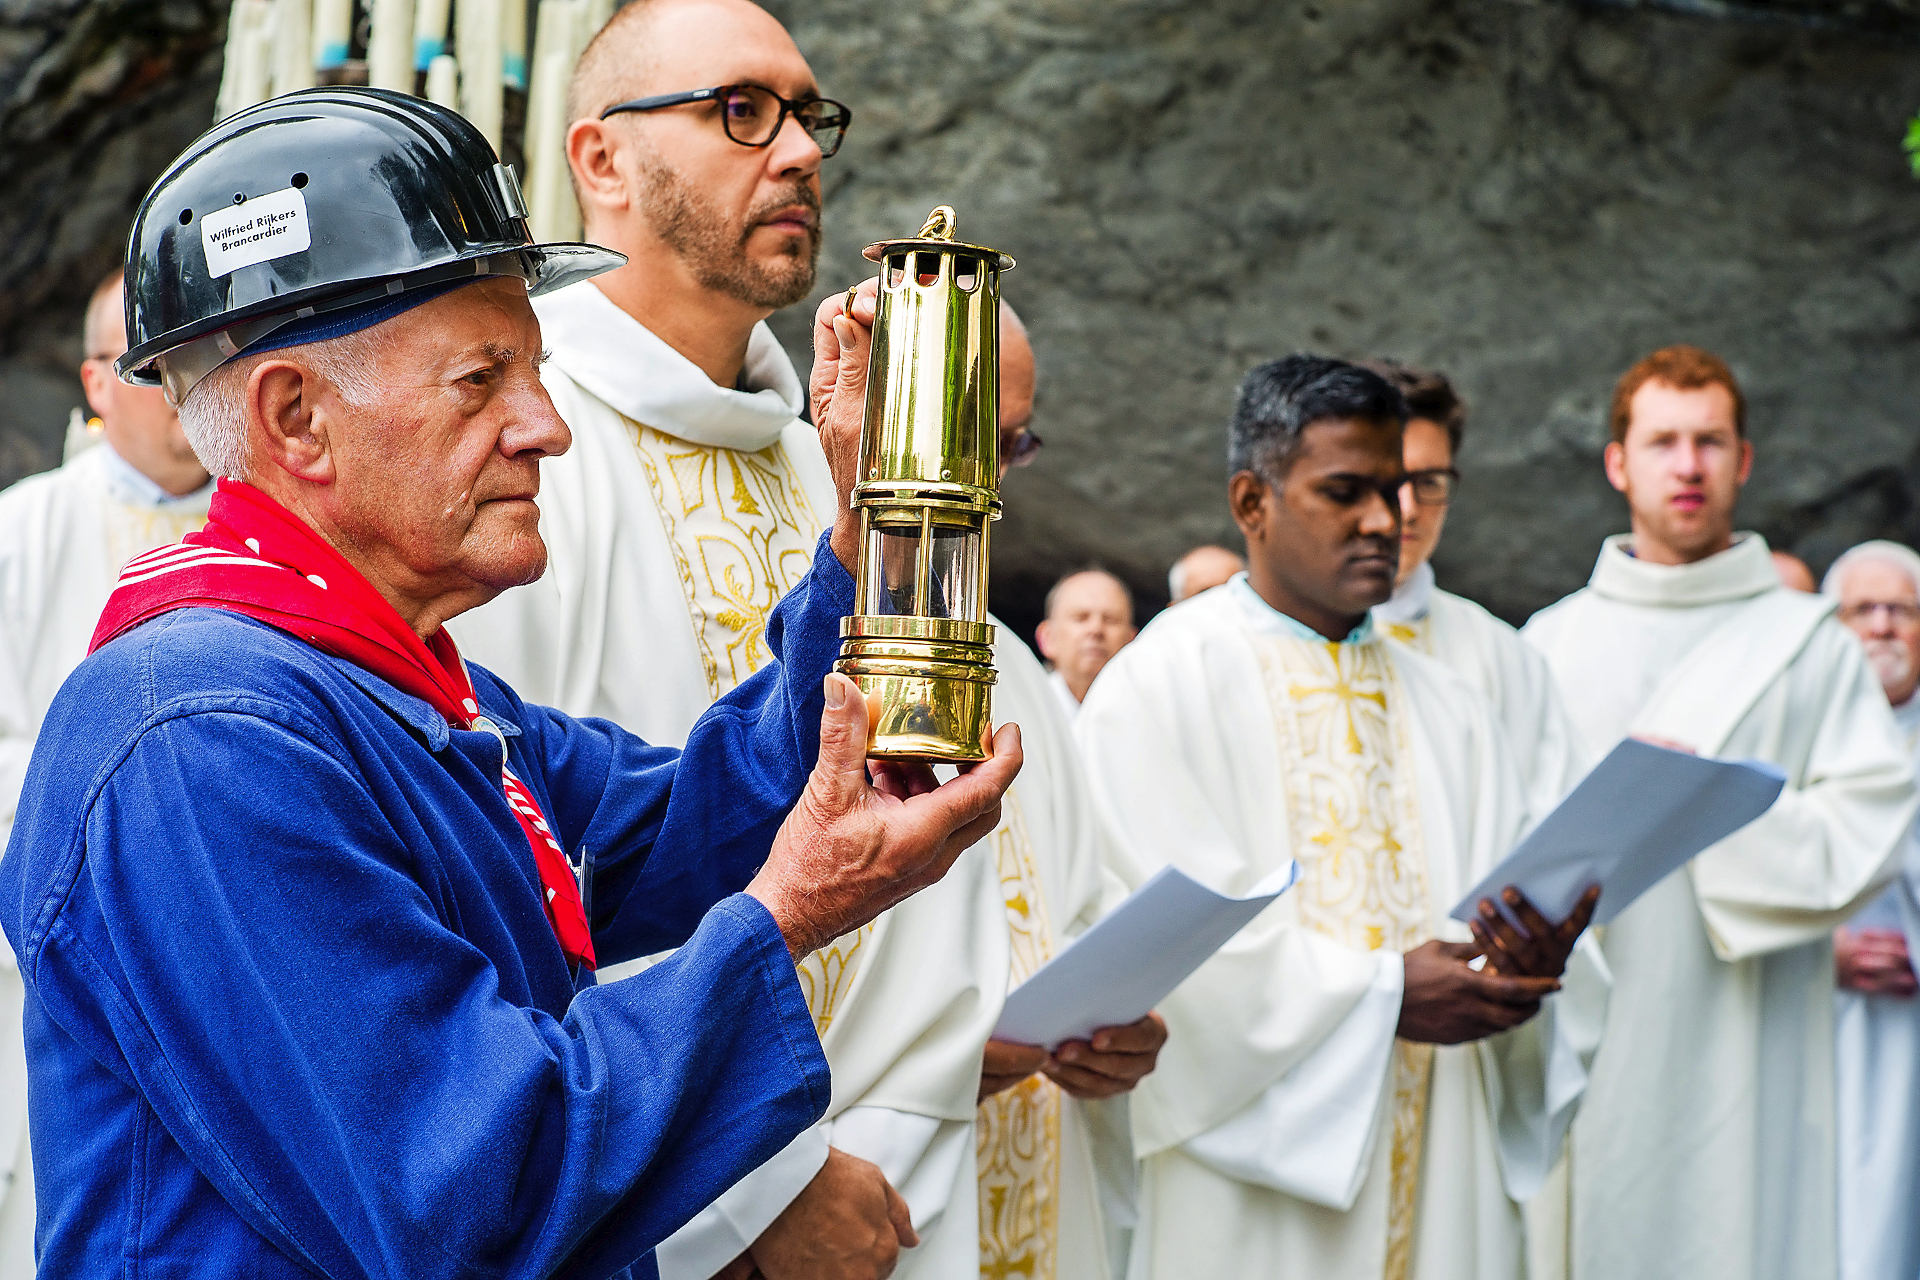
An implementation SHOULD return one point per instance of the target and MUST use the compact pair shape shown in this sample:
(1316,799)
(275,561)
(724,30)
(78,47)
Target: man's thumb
(843,739)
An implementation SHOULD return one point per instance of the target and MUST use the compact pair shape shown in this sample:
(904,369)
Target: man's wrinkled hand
(1005,1064)
(1110,1062)
(1446,1002)
(848,1224)
(837,392)
(1873,962)
(1534,949)
(855,845)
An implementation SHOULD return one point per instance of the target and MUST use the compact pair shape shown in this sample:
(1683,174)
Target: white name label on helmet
(264,228)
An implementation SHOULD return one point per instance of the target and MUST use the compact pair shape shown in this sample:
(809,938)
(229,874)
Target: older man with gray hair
(1876,1016)
(306,907)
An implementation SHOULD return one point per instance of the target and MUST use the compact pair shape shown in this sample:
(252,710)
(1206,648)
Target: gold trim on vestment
(827,974)
(1017,1137)
(1341,718)
(742,534)
(1417,634)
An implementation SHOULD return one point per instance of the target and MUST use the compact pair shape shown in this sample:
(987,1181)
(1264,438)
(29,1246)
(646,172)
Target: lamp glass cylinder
(929,489)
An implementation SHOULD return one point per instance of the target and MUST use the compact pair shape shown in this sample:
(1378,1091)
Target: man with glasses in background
(64,536)
(1486,652)
(1876,1017)
(695,491)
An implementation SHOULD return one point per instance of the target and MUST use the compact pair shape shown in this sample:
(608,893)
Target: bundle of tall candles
(277,46)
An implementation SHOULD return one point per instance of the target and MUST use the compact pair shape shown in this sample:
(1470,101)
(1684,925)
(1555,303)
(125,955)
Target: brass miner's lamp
(930,484)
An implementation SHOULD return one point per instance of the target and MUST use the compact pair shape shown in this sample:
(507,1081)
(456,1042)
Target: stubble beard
(716,252)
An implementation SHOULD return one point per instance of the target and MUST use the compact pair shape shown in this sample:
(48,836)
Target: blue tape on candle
(514,67)
(425,50)
(330,56)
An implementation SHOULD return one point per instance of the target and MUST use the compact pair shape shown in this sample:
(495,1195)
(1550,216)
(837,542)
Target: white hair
(1901,557)
(214,414)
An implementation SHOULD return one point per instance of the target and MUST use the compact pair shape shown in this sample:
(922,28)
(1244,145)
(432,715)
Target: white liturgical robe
(1877,1077)
(64,536)
(1507,671)
(1288,1132)
(680,516)
(1705,1145)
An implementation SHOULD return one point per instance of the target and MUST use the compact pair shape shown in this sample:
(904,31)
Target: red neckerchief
(256,558)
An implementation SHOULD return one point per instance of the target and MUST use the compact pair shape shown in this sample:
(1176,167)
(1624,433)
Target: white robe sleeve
(722,1231)
(922,1156)
(1311,1132)
(1835,834)
(1536,1074)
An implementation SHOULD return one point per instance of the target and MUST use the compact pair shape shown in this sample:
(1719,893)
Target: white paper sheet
(1642,814)
(1115,972)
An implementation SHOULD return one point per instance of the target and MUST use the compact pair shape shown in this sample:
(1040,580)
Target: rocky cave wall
(1526,194)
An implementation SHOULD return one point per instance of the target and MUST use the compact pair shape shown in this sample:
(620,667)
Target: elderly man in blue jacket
(306,907)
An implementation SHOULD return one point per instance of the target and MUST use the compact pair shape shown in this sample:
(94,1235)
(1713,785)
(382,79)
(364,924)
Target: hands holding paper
(1532,948)
(1111,1061)
(1446,1001)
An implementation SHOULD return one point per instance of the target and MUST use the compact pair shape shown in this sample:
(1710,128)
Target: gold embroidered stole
(1417,634)
(1341,714)
(1017,1137)
(742,534)
(133,531)
(826,975)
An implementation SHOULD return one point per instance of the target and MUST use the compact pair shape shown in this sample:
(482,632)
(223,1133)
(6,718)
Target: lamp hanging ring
(941,224)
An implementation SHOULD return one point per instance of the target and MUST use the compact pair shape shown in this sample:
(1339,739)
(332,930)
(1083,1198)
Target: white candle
(552,213)
(292,45)
(597,13)
(332,32)
(256,83)
(476,37)
(429,32)
(443,81)
(513,44)
(244,80)
(390,46)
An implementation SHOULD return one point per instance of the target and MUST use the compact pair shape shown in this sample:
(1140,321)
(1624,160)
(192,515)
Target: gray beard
(1890,662)
(716,252)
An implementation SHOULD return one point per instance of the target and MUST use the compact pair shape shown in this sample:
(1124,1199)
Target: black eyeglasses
(1433,488)
(752,115)
(1020,450)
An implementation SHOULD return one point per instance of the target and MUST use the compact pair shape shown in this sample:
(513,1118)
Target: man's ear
(1746,460)
(96,380)
(591,153)
(1043,637)
(1247,500)
(286,423)
(1615,460)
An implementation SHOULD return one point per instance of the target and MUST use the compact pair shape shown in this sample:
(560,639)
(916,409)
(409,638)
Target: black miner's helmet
(314,202)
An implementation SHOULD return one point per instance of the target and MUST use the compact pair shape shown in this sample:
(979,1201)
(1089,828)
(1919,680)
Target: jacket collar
(625,365)
(417,714)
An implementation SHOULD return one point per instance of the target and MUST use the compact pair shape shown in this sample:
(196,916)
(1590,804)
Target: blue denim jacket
(293,1007)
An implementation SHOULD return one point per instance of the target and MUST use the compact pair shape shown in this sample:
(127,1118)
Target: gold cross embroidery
(1342,688)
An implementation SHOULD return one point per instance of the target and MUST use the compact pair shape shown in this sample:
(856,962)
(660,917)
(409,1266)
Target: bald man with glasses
(690,503)
(1487,652)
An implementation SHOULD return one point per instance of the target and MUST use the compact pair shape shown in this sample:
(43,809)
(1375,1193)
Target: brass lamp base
(935,680)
